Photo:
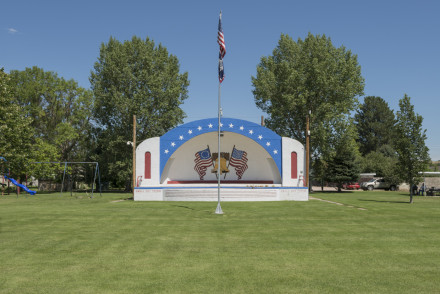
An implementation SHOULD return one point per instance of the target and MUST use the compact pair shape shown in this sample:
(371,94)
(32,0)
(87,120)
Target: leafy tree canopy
(375,124)
(343,162)
(383,163)
(17,141)
(15,130)
(410,144)
(134,77)
(61,110)
(307,75)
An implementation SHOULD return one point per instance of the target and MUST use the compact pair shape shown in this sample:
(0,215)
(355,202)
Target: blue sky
(397,43)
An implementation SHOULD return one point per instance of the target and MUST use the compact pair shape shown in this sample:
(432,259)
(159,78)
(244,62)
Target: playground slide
(21,186)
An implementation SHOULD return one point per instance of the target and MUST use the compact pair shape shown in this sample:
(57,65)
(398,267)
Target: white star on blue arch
(211,125)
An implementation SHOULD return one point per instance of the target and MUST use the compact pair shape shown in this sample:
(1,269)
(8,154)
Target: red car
(352,186)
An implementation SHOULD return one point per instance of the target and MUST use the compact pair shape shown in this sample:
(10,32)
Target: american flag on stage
(203,161)
(238,160)
(222,53)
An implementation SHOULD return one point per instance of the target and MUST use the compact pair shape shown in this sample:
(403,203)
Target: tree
(15,130)
(18,143)
(343,163)
(410,144)
(308,75)
(382,162)
(375,124)
(61,110)
(134,77)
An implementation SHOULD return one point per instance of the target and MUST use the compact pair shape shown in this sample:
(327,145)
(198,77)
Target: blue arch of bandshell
(176,137)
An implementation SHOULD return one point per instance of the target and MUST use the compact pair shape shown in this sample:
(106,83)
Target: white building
(256,164)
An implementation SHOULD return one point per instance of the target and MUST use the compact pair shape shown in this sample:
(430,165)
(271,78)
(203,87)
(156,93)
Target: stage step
(225,194)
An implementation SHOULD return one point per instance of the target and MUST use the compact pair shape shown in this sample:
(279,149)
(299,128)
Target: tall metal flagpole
(219,208)
(221,42)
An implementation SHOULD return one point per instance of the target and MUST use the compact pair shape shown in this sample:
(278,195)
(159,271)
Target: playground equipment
(13,181)
(96,175)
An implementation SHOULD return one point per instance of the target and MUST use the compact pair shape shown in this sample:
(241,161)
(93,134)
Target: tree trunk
(128,186)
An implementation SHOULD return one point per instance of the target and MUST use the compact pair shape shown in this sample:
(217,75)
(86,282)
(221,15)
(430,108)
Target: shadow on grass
(332,192)
(384,201)
(182,206)
(203,210)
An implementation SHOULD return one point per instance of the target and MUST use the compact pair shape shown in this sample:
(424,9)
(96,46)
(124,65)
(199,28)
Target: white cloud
(12,31)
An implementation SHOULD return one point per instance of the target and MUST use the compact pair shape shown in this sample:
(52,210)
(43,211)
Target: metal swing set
(66,163)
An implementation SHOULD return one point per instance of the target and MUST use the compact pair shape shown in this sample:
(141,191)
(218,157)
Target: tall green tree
(343,161)
(15,129)
(135,77)
(61,110)
(375,123)
(18,143)
(410,144)
(308,75)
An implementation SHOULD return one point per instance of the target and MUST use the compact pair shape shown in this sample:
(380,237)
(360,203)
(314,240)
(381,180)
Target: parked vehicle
(378,184)
(352,186)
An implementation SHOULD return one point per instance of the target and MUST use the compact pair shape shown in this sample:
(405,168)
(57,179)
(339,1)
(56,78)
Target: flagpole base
(219,209)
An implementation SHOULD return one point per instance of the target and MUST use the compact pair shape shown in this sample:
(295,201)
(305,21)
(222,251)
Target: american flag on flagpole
(203,161)
(222,53)
(239,161)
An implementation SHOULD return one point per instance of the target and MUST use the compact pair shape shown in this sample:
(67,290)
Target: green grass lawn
(376,242)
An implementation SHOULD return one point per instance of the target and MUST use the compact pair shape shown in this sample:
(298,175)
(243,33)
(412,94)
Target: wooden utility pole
(134,153)
(307,150)
(262,121)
